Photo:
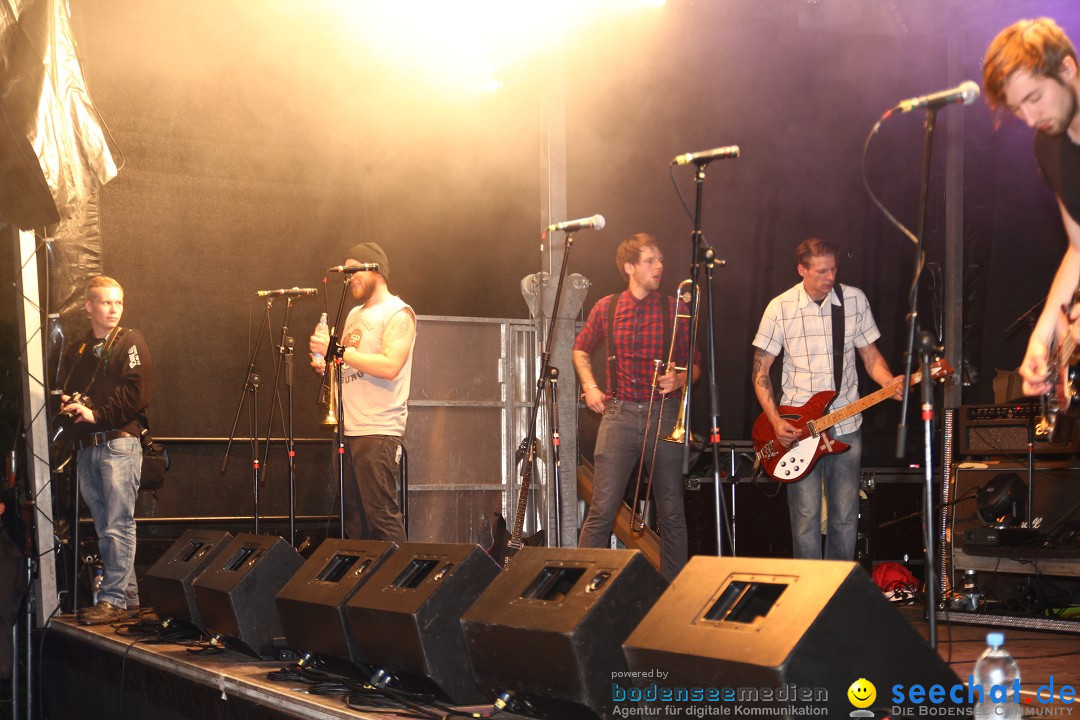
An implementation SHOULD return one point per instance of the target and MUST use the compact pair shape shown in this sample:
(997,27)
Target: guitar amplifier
(1004,430)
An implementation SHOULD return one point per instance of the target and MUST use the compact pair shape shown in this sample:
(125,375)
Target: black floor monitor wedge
(550,629)
(312,603)
(169,580)
(236,593)
(768,633)
(405,620)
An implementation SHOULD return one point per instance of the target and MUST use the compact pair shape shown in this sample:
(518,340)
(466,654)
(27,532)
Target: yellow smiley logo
(862,693)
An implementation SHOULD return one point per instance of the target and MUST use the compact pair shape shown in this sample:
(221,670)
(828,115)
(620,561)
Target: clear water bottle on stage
(318,357)
(996,667)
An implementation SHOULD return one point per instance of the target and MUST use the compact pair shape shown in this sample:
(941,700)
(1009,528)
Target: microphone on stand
(720,153)
(350,269)
(596,222)
(290,292)
(966,93)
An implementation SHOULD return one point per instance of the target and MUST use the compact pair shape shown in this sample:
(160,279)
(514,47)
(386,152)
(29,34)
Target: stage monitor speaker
(769,632)
(405,620)
(235,594)
(550,629)
(311,605)
(169,580)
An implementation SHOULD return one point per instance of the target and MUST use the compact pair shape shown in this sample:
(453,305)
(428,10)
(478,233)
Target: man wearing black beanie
(376,348)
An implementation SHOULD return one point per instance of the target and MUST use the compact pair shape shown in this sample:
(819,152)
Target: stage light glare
(455,44)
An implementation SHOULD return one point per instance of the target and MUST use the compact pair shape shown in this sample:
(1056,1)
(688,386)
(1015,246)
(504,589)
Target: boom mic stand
(703,255)
(251,384)
(927,350)
(545,377)
(285,352)
(334,364)
(927,347)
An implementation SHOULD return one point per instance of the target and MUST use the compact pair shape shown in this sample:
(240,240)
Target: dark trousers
(370,503)
(618,451)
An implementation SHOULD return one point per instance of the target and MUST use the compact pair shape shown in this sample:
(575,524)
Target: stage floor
(97,672)
(1044,656)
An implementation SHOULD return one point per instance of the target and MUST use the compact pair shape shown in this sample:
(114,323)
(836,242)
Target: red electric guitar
(791,463)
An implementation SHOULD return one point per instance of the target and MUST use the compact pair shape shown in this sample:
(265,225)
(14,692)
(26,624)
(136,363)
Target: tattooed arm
(397,342)
(763,388)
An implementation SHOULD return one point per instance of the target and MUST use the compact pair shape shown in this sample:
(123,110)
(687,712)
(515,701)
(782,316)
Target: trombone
(678,432)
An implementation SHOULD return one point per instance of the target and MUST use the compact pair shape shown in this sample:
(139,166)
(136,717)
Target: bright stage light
(462,45)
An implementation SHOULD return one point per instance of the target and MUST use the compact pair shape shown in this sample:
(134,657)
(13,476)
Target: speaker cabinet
(311,605)
(989,430)
(1055,494)
(550,628)
(169,580)
(781,632)
(406,618)
(235,595)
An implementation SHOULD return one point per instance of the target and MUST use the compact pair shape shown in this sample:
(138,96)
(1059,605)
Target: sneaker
(102,614)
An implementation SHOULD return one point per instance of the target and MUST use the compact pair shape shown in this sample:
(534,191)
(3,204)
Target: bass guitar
(1059,410)
(791,463)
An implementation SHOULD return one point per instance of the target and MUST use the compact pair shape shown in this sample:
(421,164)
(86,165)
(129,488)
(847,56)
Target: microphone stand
(290,437)
(700,251)
(543,376)
(1027,318)
(251,384)
(553,396)
(926,350)
(334,364)
(285,352)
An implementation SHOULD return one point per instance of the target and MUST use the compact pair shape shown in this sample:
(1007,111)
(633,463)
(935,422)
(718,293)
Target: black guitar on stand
(505,544)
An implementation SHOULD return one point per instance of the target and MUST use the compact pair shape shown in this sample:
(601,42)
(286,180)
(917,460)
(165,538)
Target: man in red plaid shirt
(636,333)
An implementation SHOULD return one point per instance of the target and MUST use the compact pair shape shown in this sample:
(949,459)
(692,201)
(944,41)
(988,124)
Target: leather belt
(100,438)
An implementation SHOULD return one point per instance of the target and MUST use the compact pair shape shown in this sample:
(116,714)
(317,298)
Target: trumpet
(679,430)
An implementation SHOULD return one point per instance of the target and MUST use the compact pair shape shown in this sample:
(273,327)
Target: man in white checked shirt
(799,322)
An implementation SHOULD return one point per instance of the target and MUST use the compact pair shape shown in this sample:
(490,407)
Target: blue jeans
(841,475)
(109,482)
(618,451)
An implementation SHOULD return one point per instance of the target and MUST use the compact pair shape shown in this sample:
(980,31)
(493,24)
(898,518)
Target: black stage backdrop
(258,142)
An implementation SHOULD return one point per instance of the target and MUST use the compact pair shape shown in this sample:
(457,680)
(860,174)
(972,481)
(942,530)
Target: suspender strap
(838,339)
(609,344)
(667,328)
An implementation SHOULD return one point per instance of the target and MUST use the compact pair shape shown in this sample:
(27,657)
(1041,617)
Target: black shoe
(103,613)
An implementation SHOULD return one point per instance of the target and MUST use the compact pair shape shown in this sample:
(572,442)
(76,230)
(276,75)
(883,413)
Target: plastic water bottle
(99,577)
(997,667)
(318,357)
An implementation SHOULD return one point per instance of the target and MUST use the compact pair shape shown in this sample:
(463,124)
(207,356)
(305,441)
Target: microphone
(966,92)
(720,153)
(596,222)
(350,269)
(292,292)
